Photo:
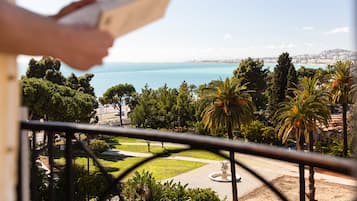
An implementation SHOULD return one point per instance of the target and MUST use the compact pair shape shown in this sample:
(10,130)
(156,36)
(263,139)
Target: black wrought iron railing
(196,142)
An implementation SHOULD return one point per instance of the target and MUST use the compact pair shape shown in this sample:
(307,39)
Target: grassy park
(158,149)
(160,168)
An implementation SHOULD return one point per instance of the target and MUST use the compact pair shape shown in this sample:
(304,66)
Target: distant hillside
(324,57)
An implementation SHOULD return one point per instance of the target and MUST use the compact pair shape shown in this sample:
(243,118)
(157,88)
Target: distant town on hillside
(324,57)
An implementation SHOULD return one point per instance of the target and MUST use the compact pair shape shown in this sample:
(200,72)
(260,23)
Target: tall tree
(184,107)
(117,95)
(155,108)
(81,83)
(46,68)
(292,81)
(46,93)
(254,76)
(166,105)
(301,115)
(284,76)
(340,90)
(58,103)
(141,114)
(231,105)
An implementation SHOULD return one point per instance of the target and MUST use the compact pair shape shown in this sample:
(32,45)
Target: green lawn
(157,149)
(125,139)
(140,148)
(161,168)
(200,154)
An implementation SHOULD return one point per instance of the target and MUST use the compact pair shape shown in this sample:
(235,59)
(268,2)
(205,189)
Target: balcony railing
(194,142)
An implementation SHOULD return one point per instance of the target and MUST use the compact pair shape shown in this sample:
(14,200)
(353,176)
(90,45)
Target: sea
(156,75)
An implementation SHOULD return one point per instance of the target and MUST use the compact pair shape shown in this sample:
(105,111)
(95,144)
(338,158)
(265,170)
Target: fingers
(72,7)
(80,4)
(85,47)
(107,39)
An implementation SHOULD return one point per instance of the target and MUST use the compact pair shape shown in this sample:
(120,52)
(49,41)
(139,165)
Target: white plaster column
(9,131)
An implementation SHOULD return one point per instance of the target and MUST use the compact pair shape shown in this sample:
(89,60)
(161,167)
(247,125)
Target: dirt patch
(289,186)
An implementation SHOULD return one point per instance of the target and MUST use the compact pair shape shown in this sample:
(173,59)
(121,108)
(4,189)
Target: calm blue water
(155,74)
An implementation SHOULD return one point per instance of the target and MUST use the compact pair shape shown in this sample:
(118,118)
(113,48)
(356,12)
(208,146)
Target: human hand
(72,7)
(84,47)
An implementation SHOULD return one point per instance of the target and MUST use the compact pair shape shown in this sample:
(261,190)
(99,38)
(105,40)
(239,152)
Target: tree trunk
(344,119)
(120,117)
(311,169)
(45,133)
(233,167)
(300,147)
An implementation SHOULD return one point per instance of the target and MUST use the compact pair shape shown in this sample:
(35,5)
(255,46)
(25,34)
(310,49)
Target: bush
(257,132)
(85,184)
(337,150)
(322,146)
(98,146)
(269,136)
(199,194)
(143,187)
(174,191)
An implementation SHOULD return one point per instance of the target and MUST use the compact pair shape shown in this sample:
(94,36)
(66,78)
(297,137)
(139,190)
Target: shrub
(337,150)
(253,131)
(174,191)
(98,146)
(257,132)
(85,184)
(269,136)
(143,187)
(198,194)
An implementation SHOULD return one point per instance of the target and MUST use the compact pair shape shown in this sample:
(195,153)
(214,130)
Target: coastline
(155,74)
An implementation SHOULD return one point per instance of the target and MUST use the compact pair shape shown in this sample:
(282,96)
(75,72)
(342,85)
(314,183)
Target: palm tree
(353,94)
(230,105)
(301,116)
(340,90)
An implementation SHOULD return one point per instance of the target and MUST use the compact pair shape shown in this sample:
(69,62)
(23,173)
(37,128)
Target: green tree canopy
(117,95)
(304,112)
(58,103)
(46,93)
(284,77)
(81,83)
(146,114)
(166,106)
(155,108)
(46,68)
(257,132)
(341,86)
(230,105)
(254,76)
(184,105)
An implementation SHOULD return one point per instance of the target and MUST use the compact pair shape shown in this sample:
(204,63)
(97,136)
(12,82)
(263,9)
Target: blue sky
(213,29)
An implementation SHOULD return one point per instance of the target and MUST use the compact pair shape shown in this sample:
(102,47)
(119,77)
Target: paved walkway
(269,169)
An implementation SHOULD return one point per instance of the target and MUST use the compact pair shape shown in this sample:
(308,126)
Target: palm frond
(230,102)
